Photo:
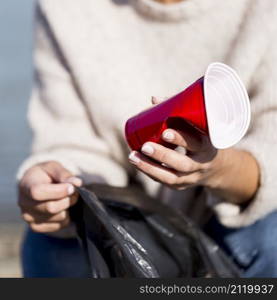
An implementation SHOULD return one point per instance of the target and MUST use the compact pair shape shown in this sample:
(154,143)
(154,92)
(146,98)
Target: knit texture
(97,63)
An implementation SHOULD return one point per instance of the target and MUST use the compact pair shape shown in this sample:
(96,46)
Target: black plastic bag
(126,233)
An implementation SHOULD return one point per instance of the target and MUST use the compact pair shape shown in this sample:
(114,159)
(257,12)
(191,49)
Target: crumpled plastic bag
(126,233)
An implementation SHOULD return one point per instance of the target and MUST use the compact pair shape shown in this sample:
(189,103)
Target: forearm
(236,178)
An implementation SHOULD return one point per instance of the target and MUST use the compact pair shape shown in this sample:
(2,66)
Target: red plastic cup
(216,105)
(188,105)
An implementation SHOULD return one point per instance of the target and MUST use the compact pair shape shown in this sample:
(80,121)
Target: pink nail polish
(147,149)
(70,189)
(168,135)
(134,157)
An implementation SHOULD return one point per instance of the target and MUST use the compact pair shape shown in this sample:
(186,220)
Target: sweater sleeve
(261,142)
(62,127)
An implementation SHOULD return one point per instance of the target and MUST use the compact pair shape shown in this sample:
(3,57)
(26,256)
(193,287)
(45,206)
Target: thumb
(59,174)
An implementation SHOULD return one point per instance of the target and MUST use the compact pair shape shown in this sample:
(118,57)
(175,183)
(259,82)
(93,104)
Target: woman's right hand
(46,192)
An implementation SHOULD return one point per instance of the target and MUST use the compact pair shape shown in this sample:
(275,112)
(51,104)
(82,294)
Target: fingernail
(70,189)
(168,135)
(74,180)
(147,149)
(134,157)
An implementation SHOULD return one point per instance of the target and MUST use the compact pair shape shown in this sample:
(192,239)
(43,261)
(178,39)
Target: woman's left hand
(178,170)
(198,165)
(231,173)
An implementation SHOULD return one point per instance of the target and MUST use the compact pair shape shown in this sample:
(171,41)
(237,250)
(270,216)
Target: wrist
(234,176)
(217,170)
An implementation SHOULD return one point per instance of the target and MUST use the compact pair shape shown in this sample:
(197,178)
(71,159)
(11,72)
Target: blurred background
(15,82)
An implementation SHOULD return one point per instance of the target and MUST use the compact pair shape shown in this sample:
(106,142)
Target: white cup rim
(227,105)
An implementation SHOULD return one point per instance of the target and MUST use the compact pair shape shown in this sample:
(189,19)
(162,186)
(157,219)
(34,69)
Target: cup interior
(227,105)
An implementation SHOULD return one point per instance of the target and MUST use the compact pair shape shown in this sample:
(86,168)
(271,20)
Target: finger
(56,171)
(49,227)
(48,207)
(199,146)
(46,191)
(156,100)
(55,207)
(170,158)
(152,169)
(35,217)
(189,140)
(33,176)
(76,181)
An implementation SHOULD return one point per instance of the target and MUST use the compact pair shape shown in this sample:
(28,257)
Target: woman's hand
(46,191)
(233,174)
(176,168)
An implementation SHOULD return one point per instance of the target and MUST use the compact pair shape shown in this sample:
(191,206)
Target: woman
(97,62)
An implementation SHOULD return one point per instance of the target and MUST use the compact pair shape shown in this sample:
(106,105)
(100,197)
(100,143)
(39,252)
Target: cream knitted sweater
(98,62)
